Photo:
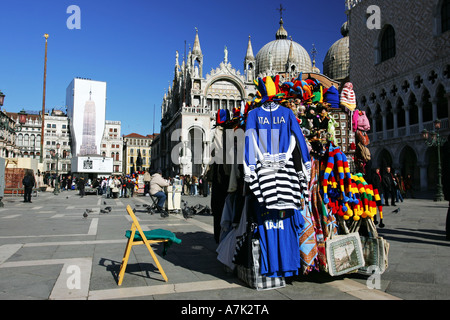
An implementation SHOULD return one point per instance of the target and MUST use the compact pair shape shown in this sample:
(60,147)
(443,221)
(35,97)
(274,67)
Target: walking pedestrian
(398,187)
(200,186)
(147,178)
(28,182)
(188,185)
(194,185)
(109,192)
(182,185)
(389,187)
(377,183)
(81,186)
(409,183)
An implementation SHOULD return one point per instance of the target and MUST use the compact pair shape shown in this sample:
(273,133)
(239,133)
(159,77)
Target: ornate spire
(196,49)
(249,55)
(291,56)
(281,33)
(314,54)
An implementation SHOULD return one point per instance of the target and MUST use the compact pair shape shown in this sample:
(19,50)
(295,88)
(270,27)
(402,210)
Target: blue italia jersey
(272,132)
(278,236)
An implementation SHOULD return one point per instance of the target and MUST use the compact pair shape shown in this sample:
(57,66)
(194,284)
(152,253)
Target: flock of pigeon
(105,210)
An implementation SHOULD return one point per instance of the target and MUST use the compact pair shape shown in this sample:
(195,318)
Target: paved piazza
(49,251)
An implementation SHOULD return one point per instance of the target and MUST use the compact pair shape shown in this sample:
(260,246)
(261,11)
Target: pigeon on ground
(103,211)
(85,215)
(67,197)
(108,208)
(89,210)
(396,210)
(104,202)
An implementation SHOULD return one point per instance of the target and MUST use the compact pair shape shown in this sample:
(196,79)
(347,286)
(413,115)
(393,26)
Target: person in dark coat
(377,183)
(28,183)
(389,187)
(81,186)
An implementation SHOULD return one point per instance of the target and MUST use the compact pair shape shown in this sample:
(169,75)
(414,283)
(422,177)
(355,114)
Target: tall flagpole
(154,121)
(41,159)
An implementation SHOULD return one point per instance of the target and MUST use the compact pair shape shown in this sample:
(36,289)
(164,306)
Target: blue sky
(131,45)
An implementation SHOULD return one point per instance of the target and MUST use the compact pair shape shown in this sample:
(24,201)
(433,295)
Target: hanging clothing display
(278,235)
(269,129)
(294,190)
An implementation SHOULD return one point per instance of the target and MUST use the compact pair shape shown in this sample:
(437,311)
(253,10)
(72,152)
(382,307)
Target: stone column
(384,114)
(374,129)
(395,112)
(434,103)
(423,176)
(407,108)
(420,107)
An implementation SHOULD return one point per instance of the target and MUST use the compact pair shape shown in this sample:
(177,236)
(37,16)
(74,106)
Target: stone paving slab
(44,244)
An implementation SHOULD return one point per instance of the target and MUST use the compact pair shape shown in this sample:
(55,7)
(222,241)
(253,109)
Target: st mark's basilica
(190,105)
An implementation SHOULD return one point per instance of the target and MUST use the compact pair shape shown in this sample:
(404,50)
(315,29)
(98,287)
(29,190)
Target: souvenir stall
(298,202)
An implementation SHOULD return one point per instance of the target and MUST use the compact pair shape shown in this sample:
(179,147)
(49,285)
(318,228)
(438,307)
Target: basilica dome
(282,55)
(337,61)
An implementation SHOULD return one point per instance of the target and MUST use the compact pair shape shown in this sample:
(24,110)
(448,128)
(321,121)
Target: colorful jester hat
(366,194)
(268,89)
(328,171)
(337,161)
(299,88)
(380,206)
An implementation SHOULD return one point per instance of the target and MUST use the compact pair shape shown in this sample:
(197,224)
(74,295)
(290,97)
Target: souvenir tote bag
(375,249)
(344,253)
(252,276)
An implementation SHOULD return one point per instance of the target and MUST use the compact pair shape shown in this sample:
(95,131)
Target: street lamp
(433,139)
(22,117)
(55,154)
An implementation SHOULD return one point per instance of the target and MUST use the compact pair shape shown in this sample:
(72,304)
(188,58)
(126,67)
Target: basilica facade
(190,105)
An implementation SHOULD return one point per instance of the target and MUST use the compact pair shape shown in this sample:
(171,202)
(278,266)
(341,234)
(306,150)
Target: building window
(445,16)
(387,43)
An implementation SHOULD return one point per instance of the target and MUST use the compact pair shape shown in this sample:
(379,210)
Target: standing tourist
(377,182)
(398,187)
(409,186)
(389,187)
(28,183)
(147,178)
(81,186)
(187,181)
